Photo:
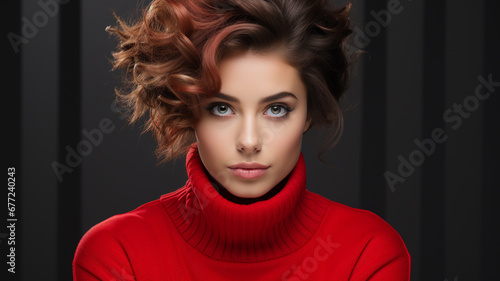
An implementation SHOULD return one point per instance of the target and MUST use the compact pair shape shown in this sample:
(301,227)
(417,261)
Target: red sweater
(195,233)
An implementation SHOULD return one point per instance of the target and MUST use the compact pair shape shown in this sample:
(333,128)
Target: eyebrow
(264,100)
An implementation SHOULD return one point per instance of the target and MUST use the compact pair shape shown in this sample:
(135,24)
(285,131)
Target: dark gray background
(424,61)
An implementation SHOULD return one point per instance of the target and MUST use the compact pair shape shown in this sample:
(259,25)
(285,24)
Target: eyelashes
(278,111)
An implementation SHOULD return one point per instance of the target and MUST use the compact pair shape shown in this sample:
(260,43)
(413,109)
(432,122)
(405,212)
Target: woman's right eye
(220,109)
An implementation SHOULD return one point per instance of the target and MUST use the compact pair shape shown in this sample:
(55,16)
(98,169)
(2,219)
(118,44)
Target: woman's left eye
(277,110)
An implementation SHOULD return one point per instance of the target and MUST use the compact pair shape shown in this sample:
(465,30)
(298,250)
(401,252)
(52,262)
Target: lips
(248,165)
(248,170)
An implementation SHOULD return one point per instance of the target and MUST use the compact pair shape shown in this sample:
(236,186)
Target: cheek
(212,138)
(284,138)
(289,138)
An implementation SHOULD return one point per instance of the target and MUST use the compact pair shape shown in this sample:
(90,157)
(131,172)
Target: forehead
(258,74)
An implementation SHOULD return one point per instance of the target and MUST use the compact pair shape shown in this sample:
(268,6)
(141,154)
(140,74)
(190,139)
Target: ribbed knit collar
(227,231)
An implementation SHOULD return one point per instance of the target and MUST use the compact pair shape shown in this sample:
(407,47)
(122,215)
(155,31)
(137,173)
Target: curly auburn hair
(171,55)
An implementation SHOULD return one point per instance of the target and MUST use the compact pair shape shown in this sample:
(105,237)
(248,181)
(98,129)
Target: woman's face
(257,119)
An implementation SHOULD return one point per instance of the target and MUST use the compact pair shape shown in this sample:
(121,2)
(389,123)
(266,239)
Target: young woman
(235,84)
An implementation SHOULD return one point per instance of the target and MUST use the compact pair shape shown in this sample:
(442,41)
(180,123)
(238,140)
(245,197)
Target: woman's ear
(308,124)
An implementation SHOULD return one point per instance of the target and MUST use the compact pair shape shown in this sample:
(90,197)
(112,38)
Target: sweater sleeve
(101,256)
(384,257)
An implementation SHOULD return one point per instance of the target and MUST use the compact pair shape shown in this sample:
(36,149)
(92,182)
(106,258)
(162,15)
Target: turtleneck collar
(231,229)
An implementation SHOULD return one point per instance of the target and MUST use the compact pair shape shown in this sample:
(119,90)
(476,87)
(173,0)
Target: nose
(249,140)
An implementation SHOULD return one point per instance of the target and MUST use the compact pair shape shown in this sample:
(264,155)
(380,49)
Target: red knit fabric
(194,233)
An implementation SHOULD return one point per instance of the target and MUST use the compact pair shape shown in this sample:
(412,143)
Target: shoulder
(362,221)
(374,246)
(133,221)
(358,222)
(103,248)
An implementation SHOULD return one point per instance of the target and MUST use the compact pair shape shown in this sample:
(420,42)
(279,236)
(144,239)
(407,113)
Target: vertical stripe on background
(463,120)
(10,77)
(39,66)
(433,172)
(373,142)
(69,219)
(404,124)
(491,150)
